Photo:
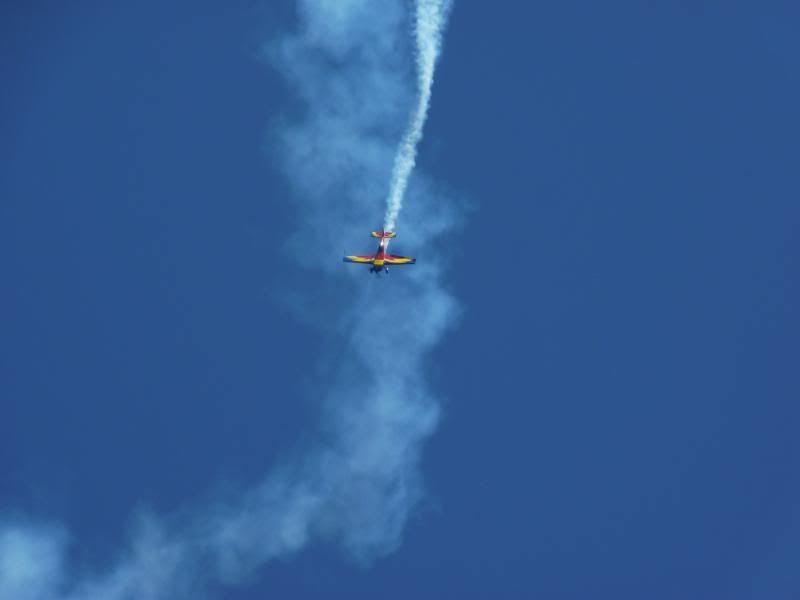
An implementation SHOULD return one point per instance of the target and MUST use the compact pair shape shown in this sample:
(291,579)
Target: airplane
(381,260)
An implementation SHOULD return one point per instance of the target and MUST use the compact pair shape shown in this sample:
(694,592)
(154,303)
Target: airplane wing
(393,259)
(367,258)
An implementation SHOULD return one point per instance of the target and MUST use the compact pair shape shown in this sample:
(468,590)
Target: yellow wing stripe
(400,260)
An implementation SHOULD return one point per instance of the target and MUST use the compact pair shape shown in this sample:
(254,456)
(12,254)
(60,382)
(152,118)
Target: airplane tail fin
(384,234)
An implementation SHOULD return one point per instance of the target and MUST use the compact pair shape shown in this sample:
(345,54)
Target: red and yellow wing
(365,258)
(393,259)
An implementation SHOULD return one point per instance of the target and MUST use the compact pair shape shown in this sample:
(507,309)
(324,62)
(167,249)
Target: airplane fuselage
(379,264)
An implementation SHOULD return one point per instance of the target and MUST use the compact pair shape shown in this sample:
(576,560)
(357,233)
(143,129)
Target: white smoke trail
(431,18)
(360,481)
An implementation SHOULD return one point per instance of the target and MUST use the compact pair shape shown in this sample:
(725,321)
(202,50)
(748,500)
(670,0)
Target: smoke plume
(356,483)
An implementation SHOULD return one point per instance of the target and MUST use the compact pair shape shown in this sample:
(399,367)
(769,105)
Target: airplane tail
(384,234)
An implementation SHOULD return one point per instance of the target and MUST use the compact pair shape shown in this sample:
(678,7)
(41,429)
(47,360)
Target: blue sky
(616,193)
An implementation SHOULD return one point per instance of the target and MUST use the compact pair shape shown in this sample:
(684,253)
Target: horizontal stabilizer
(384,234)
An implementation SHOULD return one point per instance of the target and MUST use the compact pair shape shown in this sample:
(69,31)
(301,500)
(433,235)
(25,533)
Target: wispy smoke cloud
(31,561)
(350,64)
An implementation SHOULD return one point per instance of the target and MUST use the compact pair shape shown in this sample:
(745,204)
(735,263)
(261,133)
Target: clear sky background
(621,392)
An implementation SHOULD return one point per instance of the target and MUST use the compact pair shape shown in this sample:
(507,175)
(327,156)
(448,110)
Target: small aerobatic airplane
(381,260)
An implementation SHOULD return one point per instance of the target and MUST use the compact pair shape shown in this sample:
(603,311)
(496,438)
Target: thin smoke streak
(431,18)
